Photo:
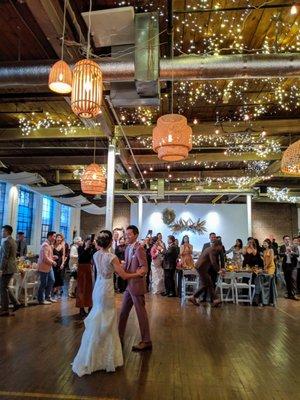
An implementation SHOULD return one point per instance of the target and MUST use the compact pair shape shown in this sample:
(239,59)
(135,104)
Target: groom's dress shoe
(142,346)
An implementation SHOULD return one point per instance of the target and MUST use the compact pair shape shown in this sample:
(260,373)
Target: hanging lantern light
(290,163)
(93,180)
(87,89)
(60,77)
(172,138)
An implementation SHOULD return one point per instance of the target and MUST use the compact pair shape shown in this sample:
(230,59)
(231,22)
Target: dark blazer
(294,255)
(21,248)
(8,251)
(170,257)
(221,255)
(208,258)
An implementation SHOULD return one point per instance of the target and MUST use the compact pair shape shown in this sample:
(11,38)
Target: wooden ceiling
(207,27)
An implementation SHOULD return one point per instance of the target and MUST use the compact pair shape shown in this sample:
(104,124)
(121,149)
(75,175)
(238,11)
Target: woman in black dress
(120,253)
(60,253)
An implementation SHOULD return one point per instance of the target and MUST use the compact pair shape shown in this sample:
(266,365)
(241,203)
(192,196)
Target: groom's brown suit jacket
(136,258)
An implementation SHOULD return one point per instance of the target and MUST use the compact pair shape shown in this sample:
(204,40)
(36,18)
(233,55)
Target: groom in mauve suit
(135,258)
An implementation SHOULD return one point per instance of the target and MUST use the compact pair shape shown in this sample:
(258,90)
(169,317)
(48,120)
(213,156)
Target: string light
(281,195)
(66,126)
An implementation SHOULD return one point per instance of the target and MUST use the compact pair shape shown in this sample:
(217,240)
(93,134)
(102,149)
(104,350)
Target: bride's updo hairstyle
(104,239)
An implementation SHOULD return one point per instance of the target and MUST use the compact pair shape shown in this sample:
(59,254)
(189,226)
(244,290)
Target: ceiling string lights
(281,195)
(93,179)
(290,163)
(60,76)
(86,95)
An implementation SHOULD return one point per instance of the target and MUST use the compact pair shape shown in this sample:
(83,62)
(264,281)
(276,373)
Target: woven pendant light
(172,138)
(290,163)
(60,78)
(93,180)
(86,95)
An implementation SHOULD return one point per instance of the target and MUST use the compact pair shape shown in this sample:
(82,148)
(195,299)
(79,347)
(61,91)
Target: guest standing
(120,253)
(169,266)
(250,254)
(266,281)
(147,247)
(8,267)
(21,245)
(289,254)
(157,272)
(186,253)
(208,267)
(46,262)
(73,265)
(85,277)
(59,250)
(296,241)
(237,252)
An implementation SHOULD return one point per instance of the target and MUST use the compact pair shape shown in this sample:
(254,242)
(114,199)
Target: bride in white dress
(100,347)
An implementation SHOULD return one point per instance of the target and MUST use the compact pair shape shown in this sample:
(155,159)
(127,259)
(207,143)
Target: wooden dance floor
(235,352)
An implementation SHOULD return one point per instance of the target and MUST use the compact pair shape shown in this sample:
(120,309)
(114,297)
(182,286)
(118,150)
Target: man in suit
(45,263)
(134,295)
(289,255)
(212,238)
(21,245)
(8,267)
(208,267)
(169,266)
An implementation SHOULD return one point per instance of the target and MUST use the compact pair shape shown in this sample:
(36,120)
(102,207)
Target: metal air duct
(21,76)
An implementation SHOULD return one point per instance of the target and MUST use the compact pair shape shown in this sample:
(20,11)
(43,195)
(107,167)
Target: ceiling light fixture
(60,76)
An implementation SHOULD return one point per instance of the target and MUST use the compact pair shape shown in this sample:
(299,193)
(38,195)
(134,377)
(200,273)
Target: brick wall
(274,219)
(94,223)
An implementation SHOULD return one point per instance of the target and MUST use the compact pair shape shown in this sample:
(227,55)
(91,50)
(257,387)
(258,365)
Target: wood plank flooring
(234,353)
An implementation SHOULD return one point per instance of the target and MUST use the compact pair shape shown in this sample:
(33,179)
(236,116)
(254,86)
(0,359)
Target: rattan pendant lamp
(290,163)
(93,179)
(86,97)
(60,76)
(172,137)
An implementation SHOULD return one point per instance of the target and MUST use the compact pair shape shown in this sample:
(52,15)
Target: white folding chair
(15,284)
(243,282)
(190,283)
(30,286)
(226,285)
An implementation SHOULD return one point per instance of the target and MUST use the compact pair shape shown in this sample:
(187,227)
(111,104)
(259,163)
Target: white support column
(11,208)
(249,214)
(110,190)
(56,217)
(140,213)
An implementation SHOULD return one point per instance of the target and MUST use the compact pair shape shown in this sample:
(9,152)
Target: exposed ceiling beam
(52,160)
(217,198)
(187,199)
(208,157)
(129,199)
(173,175)
(49,16)
(272,127)
(15,134)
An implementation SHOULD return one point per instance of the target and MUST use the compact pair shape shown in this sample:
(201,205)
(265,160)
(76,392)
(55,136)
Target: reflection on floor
(235,352)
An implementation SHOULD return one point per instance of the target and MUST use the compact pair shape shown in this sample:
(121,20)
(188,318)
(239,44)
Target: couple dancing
(101,343)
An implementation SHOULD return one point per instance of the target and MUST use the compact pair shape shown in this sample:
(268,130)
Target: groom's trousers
(139,305)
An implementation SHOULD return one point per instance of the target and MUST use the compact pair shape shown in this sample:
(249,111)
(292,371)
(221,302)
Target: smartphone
(92,237)
(150,231)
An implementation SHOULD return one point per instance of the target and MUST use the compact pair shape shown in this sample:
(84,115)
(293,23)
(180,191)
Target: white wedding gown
(100,347)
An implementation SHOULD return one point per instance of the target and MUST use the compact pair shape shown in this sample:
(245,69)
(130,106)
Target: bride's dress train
(100,347)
